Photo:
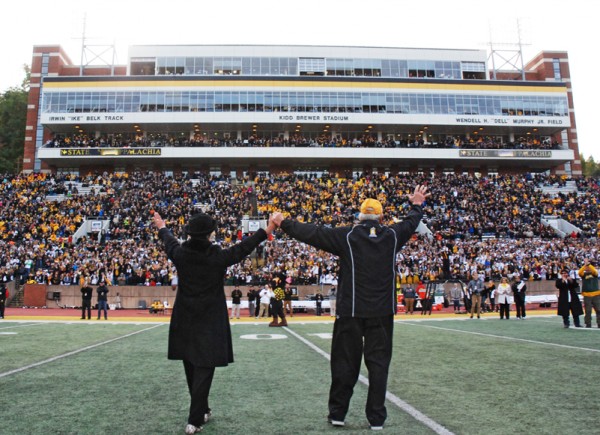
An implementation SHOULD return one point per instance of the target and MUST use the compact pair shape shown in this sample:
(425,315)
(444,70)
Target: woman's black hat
(200,225)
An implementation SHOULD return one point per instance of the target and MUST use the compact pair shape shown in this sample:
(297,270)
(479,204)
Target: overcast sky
(462,24)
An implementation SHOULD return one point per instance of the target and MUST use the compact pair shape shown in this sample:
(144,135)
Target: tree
(13,116)
(589,167)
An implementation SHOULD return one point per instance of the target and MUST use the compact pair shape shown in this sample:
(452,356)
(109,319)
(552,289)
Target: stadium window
(207,68)
(143,68)
(255,66)
(556,69)
(284,66)
(246,66)
(437,104)
(274,66)
(264,66)
(312,66)
(161,66)
(293,66)
(189,65)
(45,63)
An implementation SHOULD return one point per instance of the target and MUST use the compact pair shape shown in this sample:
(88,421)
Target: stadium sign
(553,122)
(512,120)
(79,152)
(507,153)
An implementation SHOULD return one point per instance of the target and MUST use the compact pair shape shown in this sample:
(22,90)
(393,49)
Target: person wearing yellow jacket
(590,292)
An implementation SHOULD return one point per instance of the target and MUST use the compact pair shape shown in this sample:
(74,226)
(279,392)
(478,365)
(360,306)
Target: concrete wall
(70,296)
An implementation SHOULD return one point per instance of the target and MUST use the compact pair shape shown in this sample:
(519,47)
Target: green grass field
(448,376)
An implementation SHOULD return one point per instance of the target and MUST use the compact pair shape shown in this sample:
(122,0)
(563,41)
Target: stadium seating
(492,223)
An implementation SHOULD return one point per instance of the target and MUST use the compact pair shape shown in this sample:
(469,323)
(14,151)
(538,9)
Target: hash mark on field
(323,335)
(20,326)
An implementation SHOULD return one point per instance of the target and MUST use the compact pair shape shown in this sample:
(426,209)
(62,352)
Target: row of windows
(275,66)
(347,102)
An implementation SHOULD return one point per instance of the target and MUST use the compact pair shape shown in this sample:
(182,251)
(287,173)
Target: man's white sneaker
(190,429)
(337,423)
(376,427)
(208,415)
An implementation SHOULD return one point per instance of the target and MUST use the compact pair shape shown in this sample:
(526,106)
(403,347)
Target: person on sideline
(519,288)
(590,292)
(264,296)
(503,298)
(86,300)
(102,291)
(236,302)
(256,303)
(366,299)
(455,294)
(332,292)
(118,304)
(174,281)
(409,300)
(428,300)
(568,299)
(467,299)
(319,303)
(475,287)
(199,333)
(3,297)
(491,290)
(251,295)
(287,300)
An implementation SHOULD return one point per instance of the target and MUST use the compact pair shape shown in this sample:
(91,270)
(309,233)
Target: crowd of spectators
(487,224)
(298,140)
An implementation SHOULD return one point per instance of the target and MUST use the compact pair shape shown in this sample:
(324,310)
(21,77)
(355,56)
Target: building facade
(299,108)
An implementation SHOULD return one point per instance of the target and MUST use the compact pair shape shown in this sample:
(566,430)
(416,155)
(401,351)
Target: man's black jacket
(367,260)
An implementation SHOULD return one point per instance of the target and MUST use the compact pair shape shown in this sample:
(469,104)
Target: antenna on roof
(103,54)
(507,55)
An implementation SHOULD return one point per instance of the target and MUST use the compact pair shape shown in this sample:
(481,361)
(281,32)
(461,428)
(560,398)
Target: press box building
(235,109)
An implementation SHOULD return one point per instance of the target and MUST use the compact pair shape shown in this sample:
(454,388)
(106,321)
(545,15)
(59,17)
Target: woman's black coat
(568,299)
(199,331)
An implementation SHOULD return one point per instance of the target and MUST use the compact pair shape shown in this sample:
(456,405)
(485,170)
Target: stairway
(18,297)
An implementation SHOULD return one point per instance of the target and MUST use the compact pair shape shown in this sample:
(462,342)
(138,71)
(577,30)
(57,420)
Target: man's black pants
(520,306)
(199,380)
(347,350)
(86,305)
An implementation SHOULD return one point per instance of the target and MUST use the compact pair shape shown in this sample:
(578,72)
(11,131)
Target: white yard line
(410,410)
(502,337)
(558,321)
(74,352)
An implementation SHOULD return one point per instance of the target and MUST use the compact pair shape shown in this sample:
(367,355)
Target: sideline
(410,410)
(74,352)
(71,321)
(503,337)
